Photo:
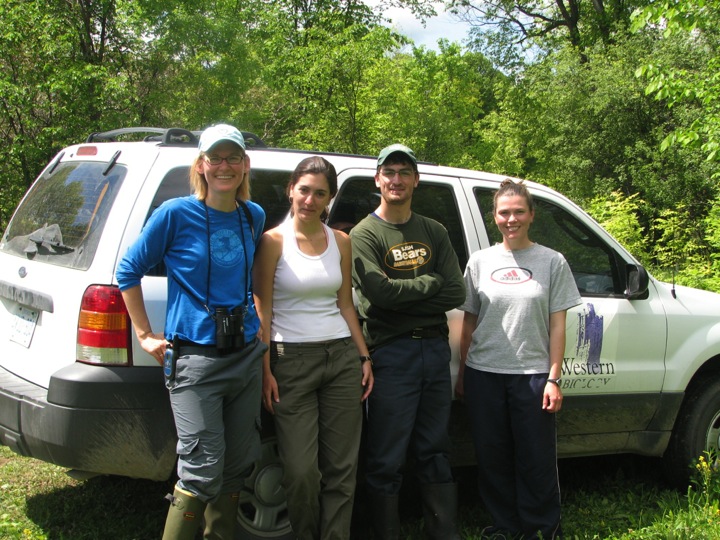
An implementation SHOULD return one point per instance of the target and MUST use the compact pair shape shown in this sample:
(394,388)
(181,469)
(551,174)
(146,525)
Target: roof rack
(167,136)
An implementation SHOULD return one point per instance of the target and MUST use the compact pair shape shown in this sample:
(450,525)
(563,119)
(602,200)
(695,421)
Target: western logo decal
(511,275)
(408,256)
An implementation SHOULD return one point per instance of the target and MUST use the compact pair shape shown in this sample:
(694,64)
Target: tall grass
(604,498)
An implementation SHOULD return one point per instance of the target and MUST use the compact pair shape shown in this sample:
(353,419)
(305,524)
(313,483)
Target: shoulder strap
(248,216)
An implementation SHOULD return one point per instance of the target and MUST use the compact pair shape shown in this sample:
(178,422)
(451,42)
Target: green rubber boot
(221,517)
(184,516)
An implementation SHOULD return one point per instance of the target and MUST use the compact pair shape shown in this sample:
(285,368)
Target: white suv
(641,373)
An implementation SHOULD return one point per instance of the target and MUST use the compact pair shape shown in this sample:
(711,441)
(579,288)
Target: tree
(696,23)
(506,29)
(619,214)
(434,102)
(57,66)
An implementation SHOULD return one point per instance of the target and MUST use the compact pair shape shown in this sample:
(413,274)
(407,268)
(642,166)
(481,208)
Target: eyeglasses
(235,159)
(404,173)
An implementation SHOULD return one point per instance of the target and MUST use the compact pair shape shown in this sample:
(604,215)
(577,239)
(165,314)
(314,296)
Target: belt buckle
(417,333)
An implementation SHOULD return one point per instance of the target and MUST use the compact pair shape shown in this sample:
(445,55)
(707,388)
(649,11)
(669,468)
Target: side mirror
(637,282)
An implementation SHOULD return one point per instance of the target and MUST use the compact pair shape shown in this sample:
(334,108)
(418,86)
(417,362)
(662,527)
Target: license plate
(22,325)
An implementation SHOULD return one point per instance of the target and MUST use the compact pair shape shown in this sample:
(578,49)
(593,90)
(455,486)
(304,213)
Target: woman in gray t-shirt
(511,351)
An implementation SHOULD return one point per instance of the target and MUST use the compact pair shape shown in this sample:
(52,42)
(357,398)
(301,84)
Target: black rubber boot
(439,502)
(385,516)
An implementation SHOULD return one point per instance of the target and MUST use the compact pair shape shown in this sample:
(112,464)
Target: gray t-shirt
(513,294)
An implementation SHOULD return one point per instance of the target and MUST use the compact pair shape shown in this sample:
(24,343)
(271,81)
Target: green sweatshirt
(405,276)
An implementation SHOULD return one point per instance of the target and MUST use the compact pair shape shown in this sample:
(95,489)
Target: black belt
(185,344)
(428,332)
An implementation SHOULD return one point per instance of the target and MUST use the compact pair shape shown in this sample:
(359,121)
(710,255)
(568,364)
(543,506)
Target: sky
(442,26)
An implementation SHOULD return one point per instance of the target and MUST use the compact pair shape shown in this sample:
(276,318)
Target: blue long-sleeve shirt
(177,234)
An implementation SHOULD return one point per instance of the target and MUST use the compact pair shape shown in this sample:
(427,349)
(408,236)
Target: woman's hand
(368,380)
(270,392)
(552,398)
(154,345)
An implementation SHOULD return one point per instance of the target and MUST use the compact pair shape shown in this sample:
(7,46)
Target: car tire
(262,511)
(697,430)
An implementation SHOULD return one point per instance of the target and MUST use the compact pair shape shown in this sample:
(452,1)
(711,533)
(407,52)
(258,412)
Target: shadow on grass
(602,497)
(106,507)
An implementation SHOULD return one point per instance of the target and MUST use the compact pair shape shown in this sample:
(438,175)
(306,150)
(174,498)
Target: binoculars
(229,329)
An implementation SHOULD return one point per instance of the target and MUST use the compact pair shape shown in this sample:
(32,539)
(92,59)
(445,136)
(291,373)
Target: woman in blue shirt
(212,357)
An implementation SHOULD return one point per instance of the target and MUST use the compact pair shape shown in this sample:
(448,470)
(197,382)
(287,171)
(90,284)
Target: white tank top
(305,292)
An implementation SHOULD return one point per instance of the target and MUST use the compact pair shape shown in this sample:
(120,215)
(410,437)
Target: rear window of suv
(62,218)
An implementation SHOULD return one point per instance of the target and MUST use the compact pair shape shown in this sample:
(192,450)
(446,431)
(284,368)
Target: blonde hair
(199,184)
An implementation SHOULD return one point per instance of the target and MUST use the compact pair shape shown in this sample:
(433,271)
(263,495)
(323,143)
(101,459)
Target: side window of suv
(592,262)
(267,188)
(359,197)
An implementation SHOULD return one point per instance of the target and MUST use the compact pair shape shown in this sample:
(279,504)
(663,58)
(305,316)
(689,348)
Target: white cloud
(443,25)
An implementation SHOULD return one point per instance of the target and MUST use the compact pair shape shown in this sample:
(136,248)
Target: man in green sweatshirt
(406,276)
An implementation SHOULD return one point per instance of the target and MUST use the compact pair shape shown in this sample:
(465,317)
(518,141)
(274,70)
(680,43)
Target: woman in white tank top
(317,371)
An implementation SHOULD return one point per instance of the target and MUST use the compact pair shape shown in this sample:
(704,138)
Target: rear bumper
(105,420)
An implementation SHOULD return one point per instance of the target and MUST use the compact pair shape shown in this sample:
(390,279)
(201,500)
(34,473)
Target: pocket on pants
(186,447)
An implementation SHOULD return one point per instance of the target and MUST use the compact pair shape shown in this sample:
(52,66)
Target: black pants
(409,410)
(516,448)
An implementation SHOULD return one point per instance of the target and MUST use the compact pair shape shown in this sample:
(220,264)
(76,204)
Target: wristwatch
(364,359)
(554,381)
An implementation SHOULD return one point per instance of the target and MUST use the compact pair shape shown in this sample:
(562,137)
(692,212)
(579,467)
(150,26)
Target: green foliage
(679,240)
(586,128)
(506,30)
(63,68)
(433,102)
(619,216)
(682,251)
(677,83)
(694,517)
(325,87)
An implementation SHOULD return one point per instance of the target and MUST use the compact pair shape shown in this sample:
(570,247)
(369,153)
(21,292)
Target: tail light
(103,335)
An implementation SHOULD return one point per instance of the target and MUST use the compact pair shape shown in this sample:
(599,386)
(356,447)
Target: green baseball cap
(394,148)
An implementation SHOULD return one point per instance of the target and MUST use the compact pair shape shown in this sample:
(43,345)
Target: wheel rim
(263,508)
(712,440)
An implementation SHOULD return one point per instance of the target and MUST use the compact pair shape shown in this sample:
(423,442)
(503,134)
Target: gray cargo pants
(216,405)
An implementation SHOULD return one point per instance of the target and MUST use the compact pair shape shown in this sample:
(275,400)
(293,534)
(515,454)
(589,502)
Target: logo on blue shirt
(226,248)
